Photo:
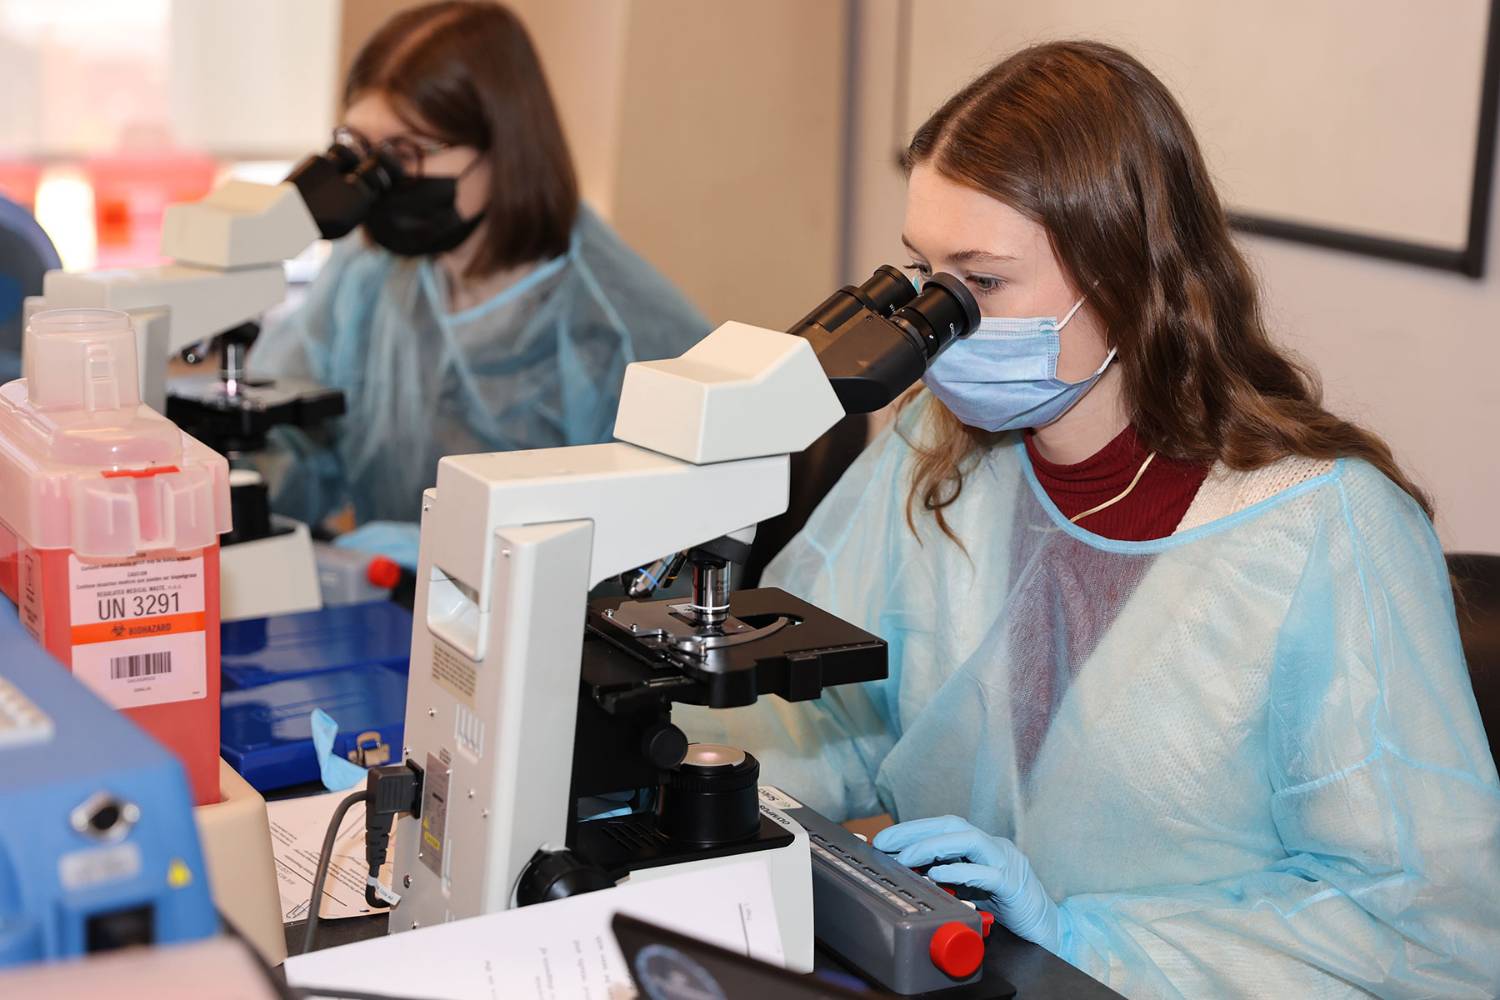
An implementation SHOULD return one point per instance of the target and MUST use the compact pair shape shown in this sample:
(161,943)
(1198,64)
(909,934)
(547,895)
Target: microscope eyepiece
(343,157)
(941,313)
(882,293)
(886,290)
(377,173)
(340,185)
(876,339)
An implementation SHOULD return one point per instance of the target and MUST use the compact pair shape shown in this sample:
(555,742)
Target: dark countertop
(1036,972)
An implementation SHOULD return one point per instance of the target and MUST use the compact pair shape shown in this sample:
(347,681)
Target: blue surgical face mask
(1003,376)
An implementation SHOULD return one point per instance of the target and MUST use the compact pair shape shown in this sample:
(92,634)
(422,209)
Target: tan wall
(880,132)
(729,166)
(358,20)
(1412,353)
(582,46)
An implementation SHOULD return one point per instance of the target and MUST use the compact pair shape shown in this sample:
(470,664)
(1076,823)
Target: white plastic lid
(80,359)
(84,465)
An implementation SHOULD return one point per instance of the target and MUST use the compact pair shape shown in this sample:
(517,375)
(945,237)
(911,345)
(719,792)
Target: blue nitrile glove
(396,540)
(338,773)
(993,865)
(611,805)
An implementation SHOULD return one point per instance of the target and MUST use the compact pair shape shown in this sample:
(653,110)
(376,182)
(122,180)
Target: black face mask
(418,217)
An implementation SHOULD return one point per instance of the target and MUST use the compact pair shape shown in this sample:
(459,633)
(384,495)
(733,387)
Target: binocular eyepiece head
(875,339)
(340,185)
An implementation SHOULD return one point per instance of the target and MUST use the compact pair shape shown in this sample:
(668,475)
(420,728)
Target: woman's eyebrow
(967,256)
(982,256)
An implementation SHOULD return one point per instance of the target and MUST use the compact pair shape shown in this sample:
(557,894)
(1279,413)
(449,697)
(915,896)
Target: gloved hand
(993,865)
(396,540)
(337,773)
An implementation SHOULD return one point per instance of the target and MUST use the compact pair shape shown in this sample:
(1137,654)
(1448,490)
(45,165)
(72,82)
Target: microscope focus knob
(557,875)
(664,745)
(711,798)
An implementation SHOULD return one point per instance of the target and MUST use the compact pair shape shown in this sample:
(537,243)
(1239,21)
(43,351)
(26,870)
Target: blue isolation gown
(537,366)
(1245,760)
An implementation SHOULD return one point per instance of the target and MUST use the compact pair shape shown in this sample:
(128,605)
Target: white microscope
(228,252)
(525,697)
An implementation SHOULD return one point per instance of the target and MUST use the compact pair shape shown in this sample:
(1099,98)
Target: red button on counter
(956,949)
(383,573)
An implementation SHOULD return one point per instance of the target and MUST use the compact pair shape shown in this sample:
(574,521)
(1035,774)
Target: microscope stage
(812,651)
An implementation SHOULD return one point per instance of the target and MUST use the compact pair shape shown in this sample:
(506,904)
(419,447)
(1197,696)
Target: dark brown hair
(466,73)
(1084,140)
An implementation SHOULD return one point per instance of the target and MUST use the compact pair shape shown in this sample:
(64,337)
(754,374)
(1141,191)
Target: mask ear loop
(1076,306)
(1107,358)
(1140,472)
(1116,499)
(478,159)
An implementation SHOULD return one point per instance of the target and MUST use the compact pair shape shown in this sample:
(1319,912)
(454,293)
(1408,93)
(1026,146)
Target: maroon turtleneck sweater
(1056,626)
(1152,510)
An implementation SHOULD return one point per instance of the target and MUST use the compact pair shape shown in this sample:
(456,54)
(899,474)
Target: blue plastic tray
(267,650)
(266,732)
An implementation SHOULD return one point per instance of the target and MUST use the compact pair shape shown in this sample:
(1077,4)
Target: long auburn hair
(1083,139)
(465,72)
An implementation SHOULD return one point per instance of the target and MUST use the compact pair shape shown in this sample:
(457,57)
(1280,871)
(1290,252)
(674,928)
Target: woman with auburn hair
(1176,688)
(481,307)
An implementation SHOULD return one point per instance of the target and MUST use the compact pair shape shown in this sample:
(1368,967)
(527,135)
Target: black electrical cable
(274,980)
(394,789)
(325,858)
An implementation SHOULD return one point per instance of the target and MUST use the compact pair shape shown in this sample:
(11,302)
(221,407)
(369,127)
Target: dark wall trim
(1463,261)
(1468,261)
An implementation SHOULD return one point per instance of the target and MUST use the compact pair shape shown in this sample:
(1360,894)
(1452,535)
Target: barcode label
(123,668)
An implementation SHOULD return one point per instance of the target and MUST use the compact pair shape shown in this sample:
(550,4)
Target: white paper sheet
(297,830)
(552,951)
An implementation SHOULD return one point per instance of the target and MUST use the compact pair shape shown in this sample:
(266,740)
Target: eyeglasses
(407,152)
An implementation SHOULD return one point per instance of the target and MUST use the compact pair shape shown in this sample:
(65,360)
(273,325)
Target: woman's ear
(473,192)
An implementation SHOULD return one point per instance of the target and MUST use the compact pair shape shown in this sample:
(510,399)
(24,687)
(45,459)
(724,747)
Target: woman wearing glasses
(482,308)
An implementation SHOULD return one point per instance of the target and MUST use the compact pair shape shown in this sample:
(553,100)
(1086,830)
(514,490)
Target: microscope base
(782,848)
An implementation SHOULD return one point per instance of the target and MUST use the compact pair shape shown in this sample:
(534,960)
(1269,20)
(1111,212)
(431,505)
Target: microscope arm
(190,304)
(703,450)
(703,443)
